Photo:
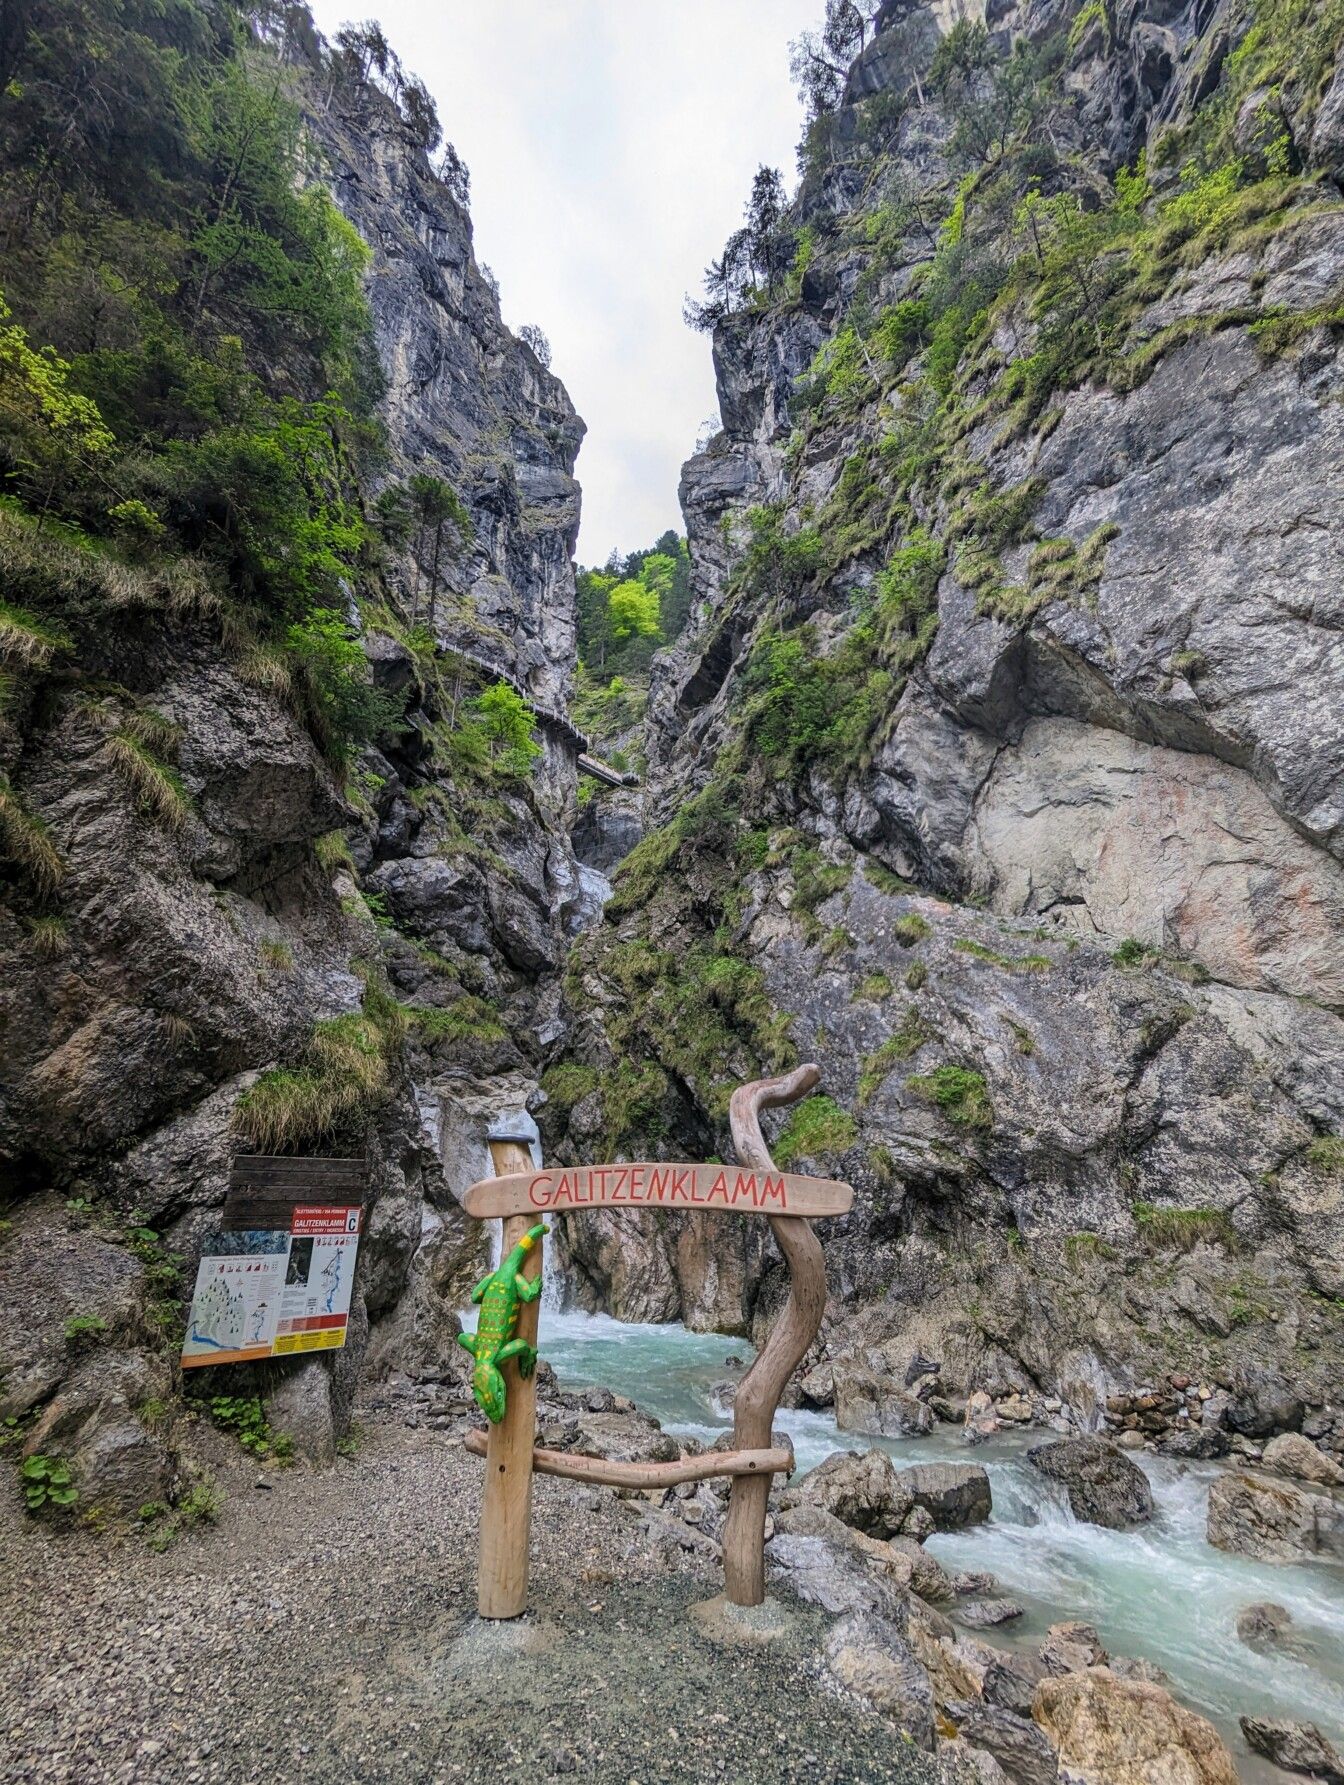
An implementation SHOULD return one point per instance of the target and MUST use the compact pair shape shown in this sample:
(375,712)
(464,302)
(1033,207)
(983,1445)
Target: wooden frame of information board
(519,1194)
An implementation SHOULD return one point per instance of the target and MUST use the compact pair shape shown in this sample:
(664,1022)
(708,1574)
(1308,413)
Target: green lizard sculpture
(501,1295)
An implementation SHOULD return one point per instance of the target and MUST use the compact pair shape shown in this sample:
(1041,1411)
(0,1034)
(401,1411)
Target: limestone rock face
(1061,927)
(1104,1486)
(193,960)
(1126,1732)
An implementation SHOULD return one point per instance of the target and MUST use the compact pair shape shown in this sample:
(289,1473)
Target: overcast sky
(612,144)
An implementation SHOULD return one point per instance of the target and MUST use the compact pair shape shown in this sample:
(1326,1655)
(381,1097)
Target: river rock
(1264,1624)
(1296,1747)
(901,1559)
(984,1614)
(1261,1405)
(954,1494)
(1071,1647)
(1292,1454)
(865,1491)
(1022,1748)
(1273,1520)
(1104,1487)
(870,1657)
(817,1388)
(835,1577)
(928,1577)
(868,1402)
(1010,1681)
(1111,1731)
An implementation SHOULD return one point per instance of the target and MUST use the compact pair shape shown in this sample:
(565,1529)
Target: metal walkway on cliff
(588,764)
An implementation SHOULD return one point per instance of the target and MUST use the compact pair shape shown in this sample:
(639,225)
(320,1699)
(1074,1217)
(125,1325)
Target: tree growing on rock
(435,508)
(820,60)
(754,260)
(531,336)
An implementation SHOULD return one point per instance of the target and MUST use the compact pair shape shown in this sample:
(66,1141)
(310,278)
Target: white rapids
(1160,1591)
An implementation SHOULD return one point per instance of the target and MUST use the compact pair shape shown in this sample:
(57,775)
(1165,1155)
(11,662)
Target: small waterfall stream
(1160,1592)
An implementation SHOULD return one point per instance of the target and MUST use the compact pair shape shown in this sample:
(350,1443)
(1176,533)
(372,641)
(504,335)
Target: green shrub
(1133,953)
(875,986)
(1030,963)
(156,786)
(902,1045)
(244,1418)
(50,937)
(568,1083)
(911,930)
(1079,1248)
(27,640)
(961,1094)
(84,1329)
(342,1079)
(470,1019)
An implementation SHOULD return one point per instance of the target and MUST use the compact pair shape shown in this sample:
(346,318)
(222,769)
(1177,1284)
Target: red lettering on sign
(539,1191)
(776,1190)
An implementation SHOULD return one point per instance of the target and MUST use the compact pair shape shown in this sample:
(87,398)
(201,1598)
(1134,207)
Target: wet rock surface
(1274,1520)
(1103,1485)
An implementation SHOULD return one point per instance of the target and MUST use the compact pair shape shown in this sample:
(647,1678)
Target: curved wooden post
(506,1504)
(792,1334)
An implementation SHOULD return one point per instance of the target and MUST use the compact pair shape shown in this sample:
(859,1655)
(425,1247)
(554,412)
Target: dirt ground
(325,1629)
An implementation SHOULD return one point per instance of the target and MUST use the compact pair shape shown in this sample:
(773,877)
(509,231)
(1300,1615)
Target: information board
(272,1292)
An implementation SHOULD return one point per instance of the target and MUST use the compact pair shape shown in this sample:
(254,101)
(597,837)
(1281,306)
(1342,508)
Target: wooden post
(506,1506)
(758,1394)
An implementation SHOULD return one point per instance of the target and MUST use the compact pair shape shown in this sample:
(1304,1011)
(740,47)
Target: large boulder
(1103,1485)
(1292,1454)
(870,1657)
(835,1577)
(865,1491)
(866,1401)
(953,1494)
(1273,1520)
(1126,1732)
(1296,1747)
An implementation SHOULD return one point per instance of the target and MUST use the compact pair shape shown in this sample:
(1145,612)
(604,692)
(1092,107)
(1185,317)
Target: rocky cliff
(290,955)
(1001,771)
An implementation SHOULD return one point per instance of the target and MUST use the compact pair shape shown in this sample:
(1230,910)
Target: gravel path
(325,1630)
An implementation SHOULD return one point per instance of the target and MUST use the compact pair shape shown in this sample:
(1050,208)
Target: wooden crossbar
(573,1467)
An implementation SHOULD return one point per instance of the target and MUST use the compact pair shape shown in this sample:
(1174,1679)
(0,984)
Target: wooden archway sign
(517,1193)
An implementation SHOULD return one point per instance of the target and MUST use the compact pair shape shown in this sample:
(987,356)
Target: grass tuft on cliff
(341,1080)
(156,786)
(26,841)
(817,1128)
(961,1094)
(1180,1230)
